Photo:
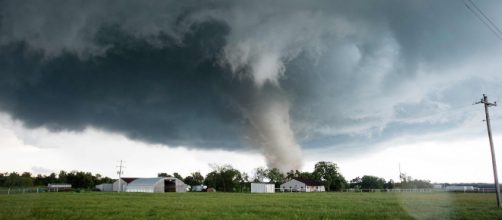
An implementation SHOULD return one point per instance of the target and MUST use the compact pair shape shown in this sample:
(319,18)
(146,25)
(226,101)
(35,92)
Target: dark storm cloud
(219,73)
(173,94)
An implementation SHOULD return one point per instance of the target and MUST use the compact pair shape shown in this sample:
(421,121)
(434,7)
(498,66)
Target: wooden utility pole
(120,172)
(487,104)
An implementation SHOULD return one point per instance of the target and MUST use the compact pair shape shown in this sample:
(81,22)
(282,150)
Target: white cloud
(99,152)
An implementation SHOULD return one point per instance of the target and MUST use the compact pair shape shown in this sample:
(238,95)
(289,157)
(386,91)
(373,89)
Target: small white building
(262,187)
(302,185)
(156,184)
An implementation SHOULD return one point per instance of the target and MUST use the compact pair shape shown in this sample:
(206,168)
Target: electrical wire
(483,18)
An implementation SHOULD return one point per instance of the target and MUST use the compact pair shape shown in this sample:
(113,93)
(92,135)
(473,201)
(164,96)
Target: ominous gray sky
(250,75)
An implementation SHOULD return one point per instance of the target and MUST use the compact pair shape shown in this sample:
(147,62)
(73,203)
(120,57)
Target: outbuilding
(262,187)
(156,184)
(302,185)
(56,187)
(105,187)
(123,183)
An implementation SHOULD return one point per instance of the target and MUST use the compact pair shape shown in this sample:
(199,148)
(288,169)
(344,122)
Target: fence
(19,190)
(475,190)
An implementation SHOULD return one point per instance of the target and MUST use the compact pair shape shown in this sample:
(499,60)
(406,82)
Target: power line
(485,19)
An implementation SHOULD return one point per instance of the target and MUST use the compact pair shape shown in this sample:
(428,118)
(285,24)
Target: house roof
(309,182)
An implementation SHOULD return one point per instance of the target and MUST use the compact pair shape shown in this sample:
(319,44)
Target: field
(93,205)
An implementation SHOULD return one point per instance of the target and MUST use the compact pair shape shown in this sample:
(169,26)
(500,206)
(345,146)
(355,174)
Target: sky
(180,86)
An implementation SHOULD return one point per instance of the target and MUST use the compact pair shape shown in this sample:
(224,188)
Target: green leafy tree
(390,184)
(3,177)
(327,172)
(355,183)
(197,176)
(177,175)
(372,182)
(163,175)
(260,173)
(62,177)
(224,178)
(275,176)
(298,174)
(194,178)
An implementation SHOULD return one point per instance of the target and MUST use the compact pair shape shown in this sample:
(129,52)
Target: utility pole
(120,172)
(487,104)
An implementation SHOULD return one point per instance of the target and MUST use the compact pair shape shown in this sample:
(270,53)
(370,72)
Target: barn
(105,187)
(123,182)
(262,187)
(302,185)
(156,184)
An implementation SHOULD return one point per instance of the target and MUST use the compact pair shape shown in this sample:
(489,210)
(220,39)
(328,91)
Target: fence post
(8,191)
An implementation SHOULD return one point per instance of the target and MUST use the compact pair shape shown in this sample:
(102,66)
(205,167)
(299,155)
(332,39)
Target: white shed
(262,187)
(302,185)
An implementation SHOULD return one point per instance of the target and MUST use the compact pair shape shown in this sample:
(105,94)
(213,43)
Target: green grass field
(94,205)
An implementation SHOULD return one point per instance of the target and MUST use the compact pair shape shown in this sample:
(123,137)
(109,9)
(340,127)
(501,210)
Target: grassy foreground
(249,206)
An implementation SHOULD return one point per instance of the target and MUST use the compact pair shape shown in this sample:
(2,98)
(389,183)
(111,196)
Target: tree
(40,180)
(327,173)
(224,178)
(3,178)
(177,175)
(372,182)
(298,174)
(260,173)
(275,176)
(62,177)
(356,183)
(199,179)
(163,175)
(389,185)
(79,179)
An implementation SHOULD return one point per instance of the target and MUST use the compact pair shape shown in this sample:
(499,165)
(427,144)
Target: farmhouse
(262,187)
(157,184)
(302,185)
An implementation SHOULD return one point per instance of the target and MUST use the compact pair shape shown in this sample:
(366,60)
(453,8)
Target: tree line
(78,179)
(226,178)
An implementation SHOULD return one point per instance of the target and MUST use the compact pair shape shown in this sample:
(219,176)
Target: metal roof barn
(146,185)
(156,184)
